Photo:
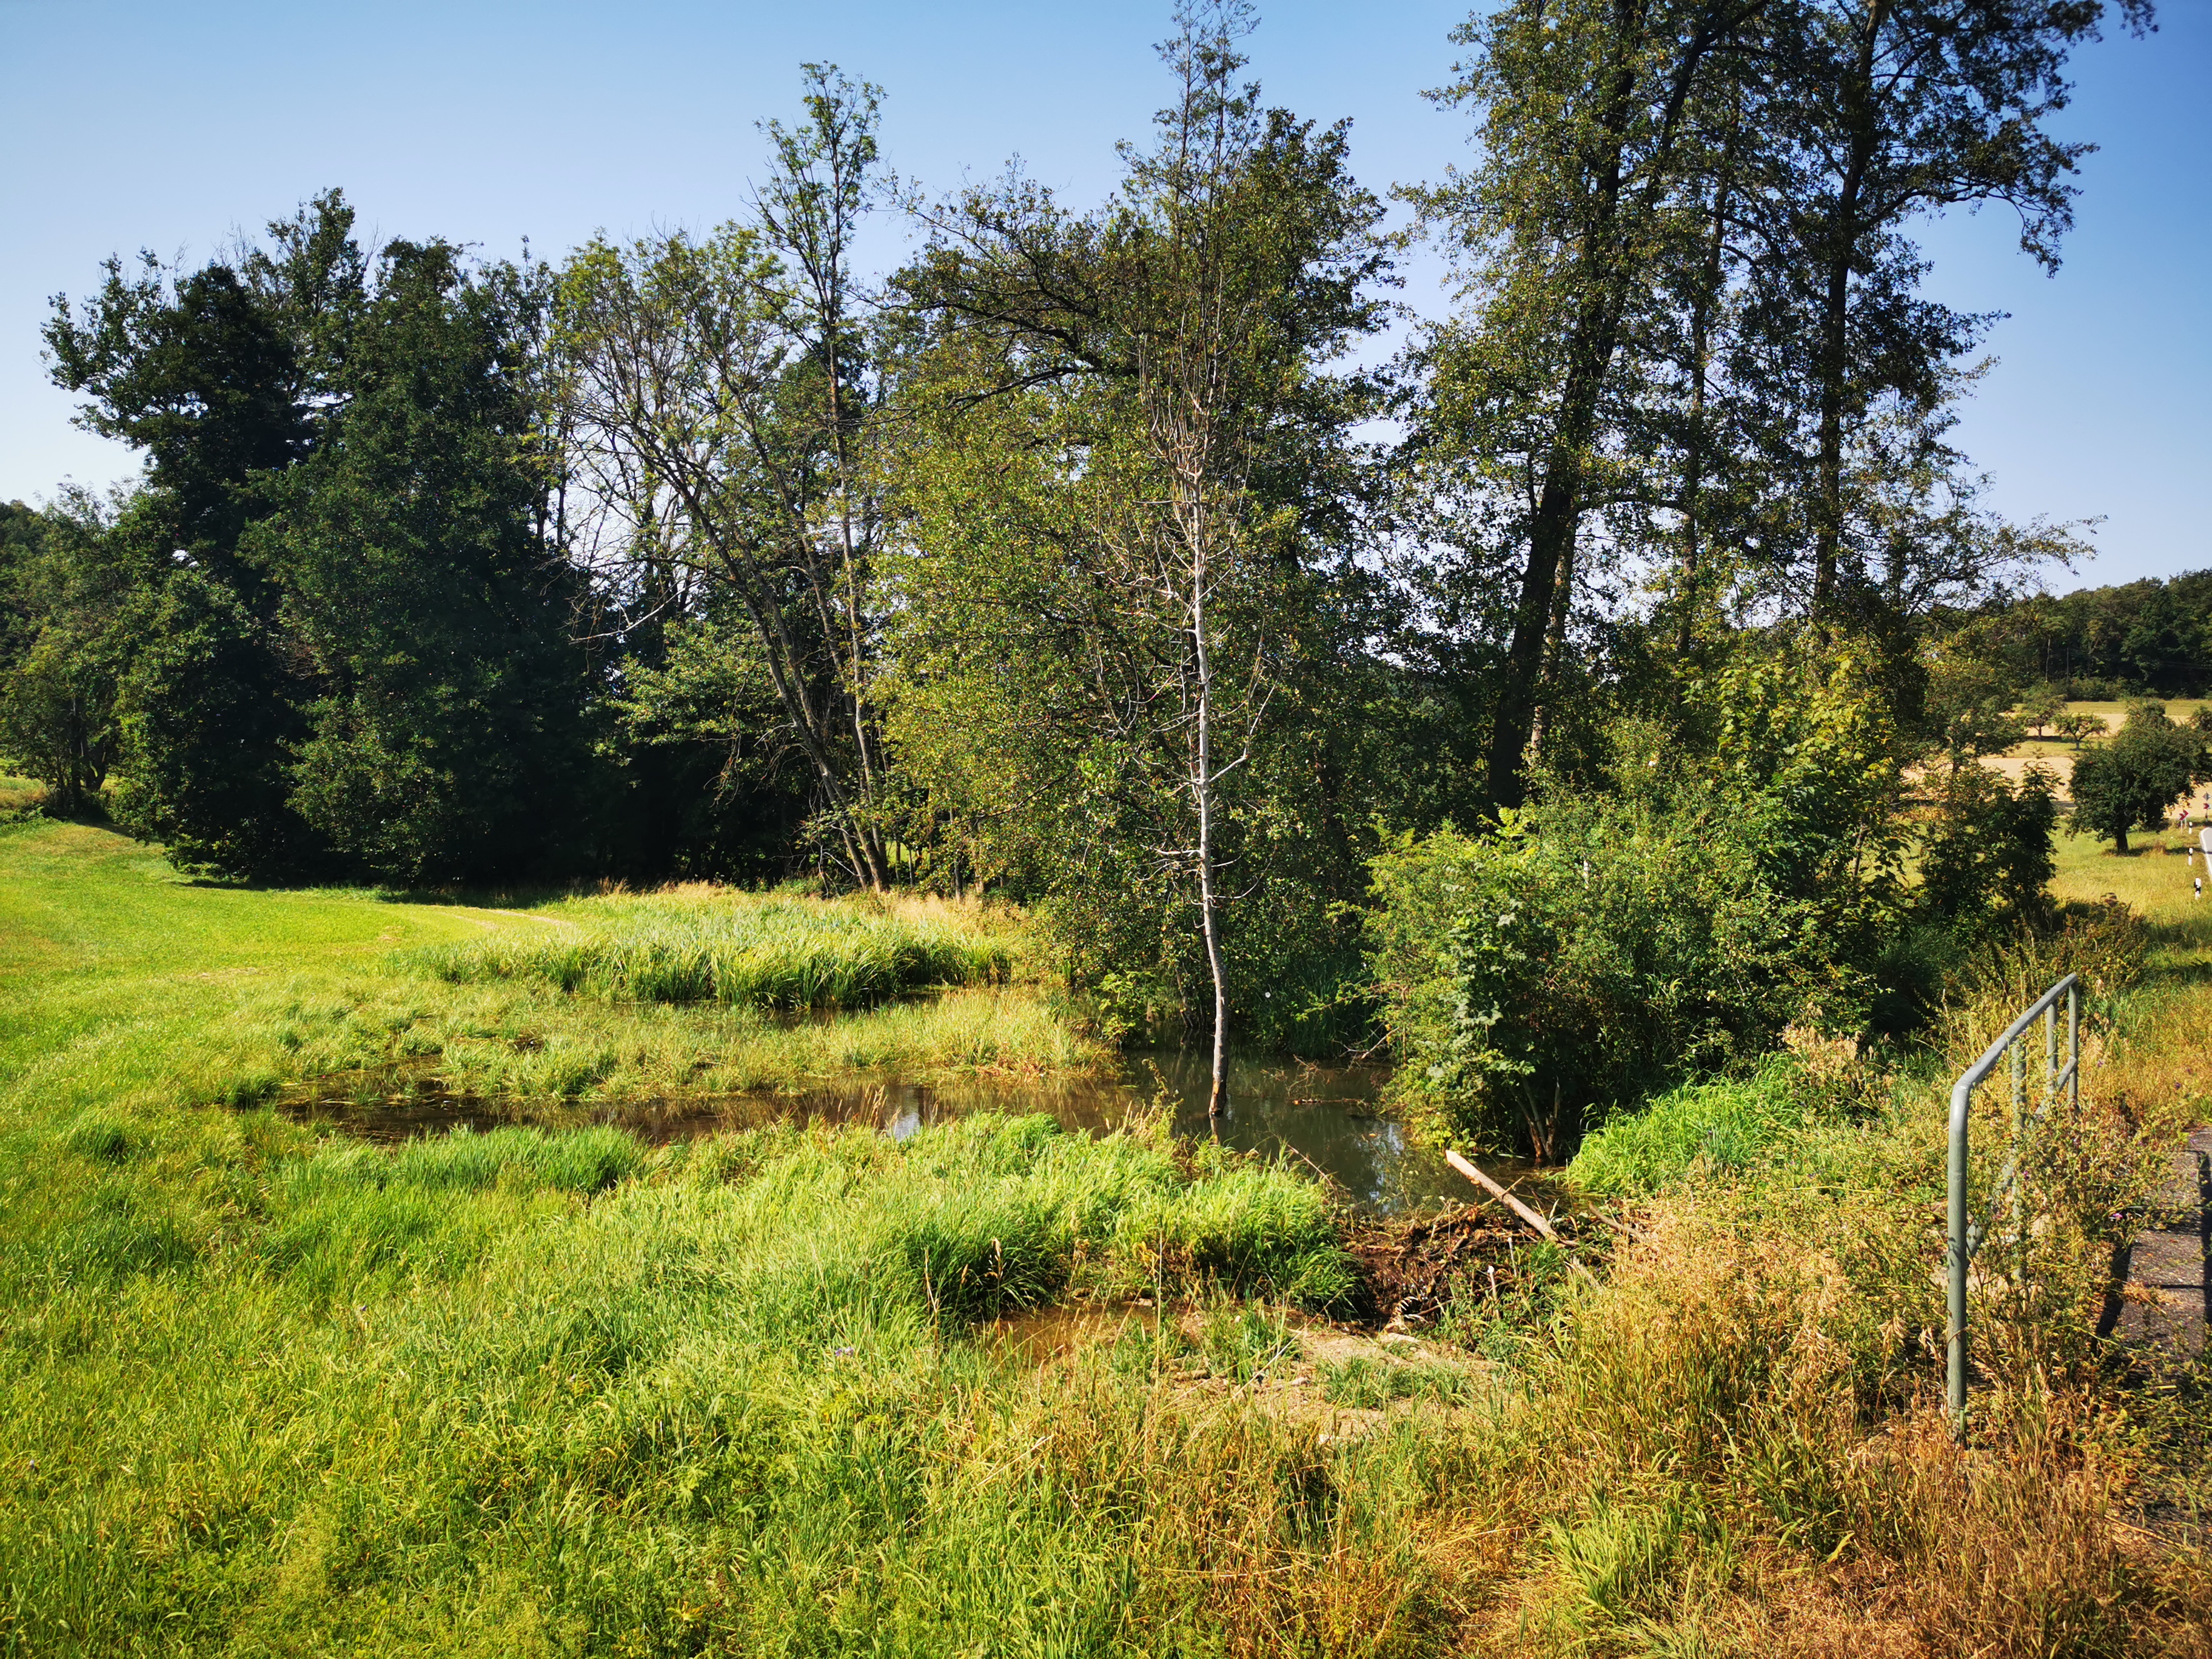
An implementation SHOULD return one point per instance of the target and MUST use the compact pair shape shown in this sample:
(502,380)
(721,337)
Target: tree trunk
(1217,1100)
(1597,278)
(1693,466)
(1835,319)
(1551,544)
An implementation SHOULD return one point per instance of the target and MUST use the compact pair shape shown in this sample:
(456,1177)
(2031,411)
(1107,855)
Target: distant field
(2056,754)
(2154,877)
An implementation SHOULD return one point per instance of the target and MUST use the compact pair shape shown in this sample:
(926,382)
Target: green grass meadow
(994,1389)
(267,1391)
(128,984)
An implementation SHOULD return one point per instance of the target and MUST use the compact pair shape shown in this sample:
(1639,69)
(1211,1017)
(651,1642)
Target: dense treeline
(2148,638)
(1078,559)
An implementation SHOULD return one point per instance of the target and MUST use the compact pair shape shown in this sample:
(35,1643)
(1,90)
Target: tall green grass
(753,952)
(520,1393)
(1720,1126)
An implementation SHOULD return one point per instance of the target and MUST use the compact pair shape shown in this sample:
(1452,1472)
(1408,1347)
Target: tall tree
(1148,378)
(351,649)
(1588,110)
(1879,112)
(446,733)
(717,390)
(221,377)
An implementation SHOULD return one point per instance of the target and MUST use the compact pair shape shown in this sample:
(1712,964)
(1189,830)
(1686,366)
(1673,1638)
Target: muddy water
(1326,1116)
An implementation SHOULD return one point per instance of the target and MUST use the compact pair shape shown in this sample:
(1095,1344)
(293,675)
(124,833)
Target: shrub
(1986,855)
(1580,957)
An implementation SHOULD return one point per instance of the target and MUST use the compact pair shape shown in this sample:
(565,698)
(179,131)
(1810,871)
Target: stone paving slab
(2167,1300)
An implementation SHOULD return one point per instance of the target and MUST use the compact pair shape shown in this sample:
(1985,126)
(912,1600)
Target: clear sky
(128,123)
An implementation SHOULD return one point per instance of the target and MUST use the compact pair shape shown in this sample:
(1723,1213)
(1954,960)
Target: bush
(1986,858)
(1579,957)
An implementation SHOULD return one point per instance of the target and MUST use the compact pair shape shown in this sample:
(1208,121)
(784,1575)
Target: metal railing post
(1954,1257)
(2074,1047)
(1961,1238)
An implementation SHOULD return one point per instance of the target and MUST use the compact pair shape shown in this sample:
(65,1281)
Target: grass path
(112,964)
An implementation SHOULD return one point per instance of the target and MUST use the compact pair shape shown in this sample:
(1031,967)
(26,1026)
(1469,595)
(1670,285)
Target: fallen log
(1499,1192)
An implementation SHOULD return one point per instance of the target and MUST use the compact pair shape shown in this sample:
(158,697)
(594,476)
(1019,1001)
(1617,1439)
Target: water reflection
(1328,1116)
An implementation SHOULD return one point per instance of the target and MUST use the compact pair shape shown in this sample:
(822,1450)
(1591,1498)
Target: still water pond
(1325,1116)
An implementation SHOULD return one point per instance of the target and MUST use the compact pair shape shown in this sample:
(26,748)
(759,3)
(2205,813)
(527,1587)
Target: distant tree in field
(2132,782)
(2077,729)
(1966,708)
(2041,706)
(2201,720)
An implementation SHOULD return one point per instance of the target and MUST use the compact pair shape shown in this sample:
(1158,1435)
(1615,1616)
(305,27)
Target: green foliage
(445,738)
(705,788)
(1986,855)
(2131,782)
(1058,631)
(1584,953)
(68,580)
(759,953)
(1720,1127)
(344,640)
(1968,707)
(721,391)
(2079,728)
(2152,637)
(208,720)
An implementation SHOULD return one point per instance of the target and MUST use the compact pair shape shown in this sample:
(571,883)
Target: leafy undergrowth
(707,945)
(1734,1438)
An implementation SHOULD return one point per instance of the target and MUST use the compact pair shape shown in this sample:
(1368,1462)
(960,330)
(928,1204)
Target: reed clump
(742,950)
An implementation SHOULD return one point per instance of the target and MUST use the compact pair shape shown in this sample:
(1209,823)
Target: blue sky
(126,124)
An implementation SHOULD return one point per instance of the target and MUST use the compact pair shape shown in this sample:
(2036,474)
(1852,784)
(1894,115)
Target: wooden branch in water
(1499,1192)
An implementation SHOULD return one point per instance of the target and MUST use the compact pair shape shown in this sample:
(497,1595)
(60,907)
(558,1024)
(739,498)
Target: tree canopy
(1144,562)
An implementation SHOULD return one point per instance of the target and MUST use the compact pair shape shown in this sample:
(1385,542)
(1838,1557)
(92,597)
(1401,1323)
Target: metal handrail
(1963,1239)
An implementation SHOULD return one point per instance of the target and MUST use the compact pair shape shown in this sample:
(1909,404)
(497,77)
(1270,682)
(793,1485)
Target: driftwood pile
(1411,1270)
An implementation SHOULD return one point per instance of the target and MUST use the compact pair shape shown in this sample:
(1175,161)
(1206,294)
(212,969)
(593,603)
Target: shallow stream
(1326,1116)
